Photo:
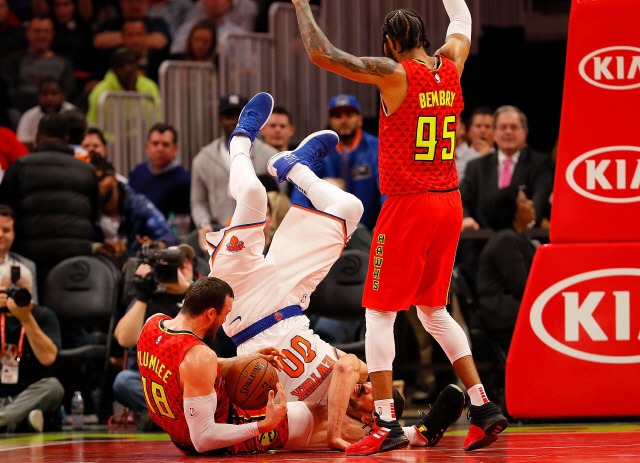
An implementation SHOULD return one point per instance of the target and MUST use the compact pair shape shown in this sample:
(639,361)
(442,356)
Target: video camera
(20,295)
(164,263)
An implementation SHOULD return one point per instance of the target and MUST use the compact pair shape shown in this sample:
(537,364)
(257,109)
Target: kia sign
(613,68)
(610,175)
(596,311)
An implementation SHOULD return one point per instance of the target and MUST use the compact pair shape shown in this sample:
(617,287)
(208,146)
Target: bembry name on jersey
(436,98)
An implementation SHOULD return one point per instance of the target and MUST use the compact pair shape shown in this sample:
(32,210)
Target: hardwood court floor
(559,443)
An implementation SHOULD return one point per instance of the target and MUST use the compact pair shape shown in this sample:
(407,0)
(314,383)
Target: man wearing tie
(514,163)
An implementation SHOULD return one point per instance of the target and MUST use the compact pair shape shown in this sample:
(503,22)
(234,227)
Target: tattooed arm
(383,72)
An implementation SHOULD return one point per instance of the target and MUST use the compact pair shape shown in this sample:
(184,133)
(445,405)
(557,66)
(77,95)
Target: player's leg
(395,265)
(431,300)
(294,167)
(305,424)
(246,189)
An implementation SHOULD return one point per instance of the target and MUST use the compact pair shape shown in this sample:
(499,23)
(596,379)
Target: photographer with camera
(161,279)
(30,340)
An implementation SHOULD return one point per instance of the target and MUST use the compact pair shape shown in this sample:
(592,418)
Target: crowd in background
(61,197)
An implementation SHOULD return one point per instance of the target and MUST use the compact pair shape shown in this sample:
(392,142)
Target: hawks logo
(235,244)
(267,438)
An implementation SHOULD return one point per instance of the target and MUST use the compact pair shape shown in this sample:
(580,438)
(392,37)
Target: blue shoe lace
(250,121)
(311,157)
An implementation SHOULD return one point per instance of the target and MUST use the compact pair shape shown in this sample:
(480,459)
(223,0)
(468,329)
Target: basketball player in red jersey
(183,384)
(417,232)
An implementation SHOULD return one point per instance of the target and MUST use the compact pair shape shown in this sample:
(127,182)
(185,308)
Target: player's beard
(212,330)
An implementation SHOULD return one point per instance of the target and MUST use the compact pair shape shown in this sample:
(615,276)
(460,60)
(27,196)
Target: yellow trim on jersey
(169,331)
(438,58)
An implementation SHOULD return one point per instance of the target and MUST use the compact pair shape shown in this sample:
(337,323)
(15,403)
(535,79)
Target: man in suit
(514,163)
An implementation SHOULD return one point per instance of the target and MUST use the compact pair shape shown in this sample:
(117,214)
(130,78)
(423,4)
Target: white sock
(385,409)
(302,177)
(415,438)
(240,144)
(477,395)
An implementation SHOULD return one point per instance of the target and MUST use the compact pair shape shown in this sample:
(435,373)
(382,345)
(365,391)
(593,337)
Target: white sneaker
(36,420)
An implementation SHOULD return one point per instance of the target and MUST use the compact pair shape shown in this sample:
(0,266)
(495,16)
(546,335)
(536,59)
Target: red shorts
(413,250)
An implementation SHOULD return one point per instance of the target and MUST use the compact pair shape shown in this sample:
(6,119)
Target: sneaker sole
(403,443)
(490,435)
(275,157)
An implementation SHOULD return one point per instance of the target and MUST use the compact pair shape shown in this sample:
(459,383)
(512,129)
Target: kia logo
(609,175)
(614,68)
(581,326)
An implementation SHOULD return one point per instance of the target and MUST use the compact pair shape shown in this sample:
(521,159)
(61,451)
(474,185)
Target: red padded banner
(597,182)
(576,347)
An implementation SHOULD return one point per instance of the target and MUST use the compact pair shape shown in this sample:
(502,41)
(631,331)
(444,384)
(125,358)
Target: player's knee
(348,207)
(433,317)
(253,189)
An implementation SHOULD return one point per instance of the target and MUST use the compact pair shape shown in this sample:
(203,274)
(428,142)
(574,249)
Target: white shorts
(304,248)
(309,361)
(300,426)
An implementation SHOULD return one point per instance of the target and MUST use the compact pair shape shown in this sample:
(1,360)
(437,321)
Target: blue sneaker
(253,117)
(311,150)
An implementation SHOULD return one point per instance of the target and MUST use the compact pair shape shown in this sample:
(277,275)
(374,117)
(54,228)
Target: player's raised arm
(458,41)
(371,70)
(198,371)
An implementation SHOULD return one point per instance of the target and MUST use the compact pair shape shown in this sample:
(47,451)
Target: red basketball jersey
(160,352)
(417,142)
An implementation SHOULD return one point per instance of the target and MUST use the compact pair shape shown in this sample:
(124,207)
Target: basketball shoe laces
(311,159)
(251,121)
(370,424)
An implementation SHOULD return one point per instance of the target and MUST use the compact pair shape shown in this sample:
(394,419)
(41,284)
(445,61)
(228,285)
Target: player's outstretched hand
(338,443)
(271,355)
(274,413)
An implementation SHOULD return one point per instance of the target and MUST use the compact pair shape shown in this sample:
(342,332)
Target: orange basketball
(249,381)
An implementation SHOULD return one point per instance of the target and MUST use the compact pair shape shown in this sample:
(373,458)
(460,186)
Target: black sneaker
(487,422)
(445,411)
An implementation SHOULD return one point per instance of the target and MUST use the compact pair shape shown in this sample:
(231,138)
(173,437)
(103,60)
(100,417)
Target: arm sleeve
(460,18)
(205,433)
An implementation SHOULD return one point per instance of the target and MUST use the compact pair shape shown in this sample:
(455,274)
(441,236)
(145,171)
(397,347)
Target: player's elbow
(199,445)
(346,364)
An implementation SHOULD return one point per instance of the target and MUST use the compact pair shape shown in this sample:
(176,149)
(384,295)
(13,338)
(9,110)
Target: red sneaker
(383,437)
(486,423)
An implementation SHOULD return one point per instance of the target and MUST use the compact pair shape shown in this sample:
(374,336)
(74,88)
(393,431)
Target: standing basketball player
(417,232)
(273,291)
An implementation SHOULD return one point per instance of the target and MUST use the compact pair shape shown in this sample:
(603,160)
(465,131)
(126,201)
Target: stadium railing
(189,93)
(125,118)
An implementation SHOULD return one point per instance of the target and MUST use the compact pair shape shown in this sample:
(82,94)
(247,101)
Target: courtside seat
(83,292)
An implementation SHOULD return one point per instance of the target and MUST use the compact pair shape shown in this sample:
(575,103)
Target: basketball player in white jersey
(272,292)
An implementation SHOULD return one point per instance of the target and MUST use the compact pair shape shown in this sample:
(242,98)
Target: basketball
(249,381)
